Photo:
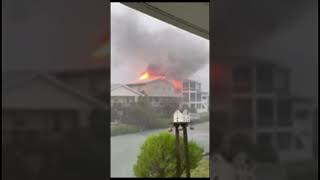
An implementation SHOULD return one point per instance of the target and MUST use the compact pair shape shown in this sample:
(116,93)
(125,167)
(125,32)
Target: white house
(157,90)
(123,95)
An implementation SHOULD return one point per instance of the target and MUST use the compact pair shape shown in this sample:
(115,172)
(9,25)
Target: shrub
(157,156)
(141,114)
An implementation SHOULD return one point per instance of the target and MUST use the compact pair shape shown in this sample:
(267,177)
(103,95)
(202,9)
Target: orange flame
(177,84)
(144,76)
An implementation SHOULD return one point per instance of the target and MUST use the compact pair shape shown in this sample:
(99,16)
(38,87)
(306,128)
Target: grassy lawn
(202,171)
(118,129)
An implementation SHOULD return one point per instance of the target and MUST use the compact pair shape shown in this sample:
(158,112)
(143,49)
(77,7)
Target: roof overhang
(191,17)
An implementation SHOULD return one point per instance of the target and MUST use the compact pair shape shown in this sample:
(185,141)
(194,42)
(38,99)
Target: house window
(198,97)
(265,112)
(193,96)
(193,106)
(284,140)
(198,106)
(264,79)
(242,113)
(284,109)
(192,86)
(302,114)
(242,79)
(185,86)
(185,97)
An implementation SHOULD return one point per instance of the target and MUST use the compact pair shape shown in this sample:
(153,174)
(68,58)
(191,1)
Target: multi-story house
(194,97)
(253,97)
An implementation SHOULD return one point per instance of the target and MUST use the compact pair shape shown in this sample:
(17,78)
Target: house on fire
(157,90)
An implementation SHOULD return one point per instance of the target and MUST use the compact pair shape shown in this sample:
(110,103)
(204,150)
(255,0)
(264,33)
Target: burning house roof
(147,80)
(156,72)
(153,82)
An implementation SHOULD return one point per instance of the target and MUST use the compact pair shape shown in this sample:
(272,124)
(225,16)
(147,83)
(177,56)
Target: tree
(141,114)
(157,156)
(190,109)
(169,107)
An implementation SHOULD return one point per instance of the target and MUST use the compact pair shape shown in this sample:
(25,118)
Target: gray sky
(138,39)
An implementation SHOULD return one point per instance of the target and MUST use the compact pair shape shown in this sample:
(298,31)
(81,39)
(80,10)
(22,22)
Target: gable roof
(117,86)
(14,80)
(146,81)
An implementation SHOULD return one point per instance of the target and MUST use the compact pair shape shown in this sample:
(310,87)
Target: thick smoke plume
(133,42)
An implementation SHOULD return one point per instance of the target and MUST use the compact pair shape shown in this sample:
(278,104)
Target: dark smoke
(179,53)
(238,26)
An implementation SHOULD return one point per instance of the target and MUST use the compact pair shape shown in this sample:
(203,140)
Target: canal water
(125,148)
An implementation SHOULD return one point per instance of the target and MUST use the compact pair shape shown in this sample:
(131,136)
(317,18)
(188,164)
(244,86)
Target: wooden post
(177,150)
(186,149)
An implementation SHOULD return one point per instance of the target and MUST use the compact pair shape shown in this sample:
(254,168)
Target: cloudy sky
(138,40)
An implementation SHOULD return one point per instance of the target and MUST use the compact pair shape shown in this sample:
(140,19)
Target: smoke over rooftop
(139,43)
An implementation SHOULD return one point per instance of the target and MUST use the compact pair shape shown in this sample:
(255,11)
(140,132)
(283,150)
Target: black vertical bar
(177,150)
(186,149)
